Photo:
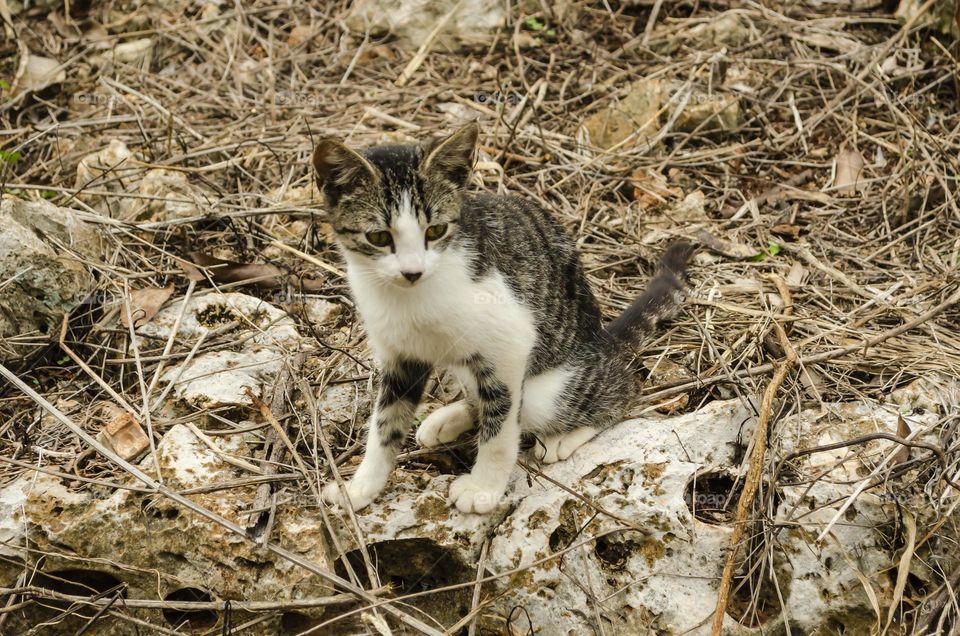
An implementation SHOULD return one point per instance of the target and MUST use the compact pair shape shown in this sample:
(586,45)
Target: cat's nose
(412,276)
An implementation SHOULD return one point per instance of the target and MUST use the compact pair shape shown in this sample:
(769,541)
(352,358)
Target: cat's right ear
(338,169)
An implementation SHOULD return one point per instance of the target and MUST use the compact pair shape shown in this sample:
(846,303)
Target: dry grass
(232,100)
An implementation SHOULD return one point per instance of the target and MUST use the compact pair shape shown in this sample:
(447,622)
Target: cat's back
(525,244)
(516,236)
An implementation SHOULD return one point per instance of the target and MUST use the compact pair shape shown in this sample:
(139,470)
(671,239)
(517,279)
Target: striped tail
(660,300)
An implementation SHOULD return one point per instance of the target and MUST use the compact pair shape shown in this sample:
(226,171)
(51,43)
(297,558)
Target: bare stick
(752,482)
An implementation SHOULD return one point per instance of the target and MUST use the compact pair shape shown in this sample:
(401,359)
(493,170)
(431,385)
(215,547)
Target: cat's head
(395,209)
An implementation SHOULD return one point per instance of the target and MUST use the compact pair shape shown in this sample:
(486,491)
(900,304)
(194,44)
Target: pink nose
(412,276)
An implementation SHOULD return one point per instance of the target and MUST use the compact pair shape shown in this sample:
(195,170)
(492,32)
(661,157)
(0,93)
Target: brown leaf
(262,275)
(144,304)
(903,432)
(726,248)
(849,175)
(122,432)
(650,188)
(192,272)
(789,231)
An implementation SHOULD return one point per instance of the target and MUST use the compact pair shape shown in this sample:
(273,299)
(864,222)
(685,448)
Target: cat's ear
(452,156)
(339,169)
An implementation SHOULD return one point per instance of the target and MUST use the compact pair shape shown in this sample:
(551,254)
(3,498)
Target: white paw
(560,447)
(470,493)
(546,450)
(361,493)
(445,425)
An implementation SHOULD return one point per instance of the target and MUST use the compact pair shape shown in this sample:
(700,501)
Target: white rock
(185,461)
(411,21)
(668,570)
(934,392)
(39,280)
(319,311)
(36,73)
(134,51)
(212,310)
(99,171)
(265,337)
(154,545)
(173,196)
(222,378)
(338,402)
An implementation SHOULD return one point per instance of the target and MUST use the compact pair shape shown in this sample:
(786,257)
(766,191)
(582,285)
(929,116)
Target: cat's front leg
(401,387)
(498,404)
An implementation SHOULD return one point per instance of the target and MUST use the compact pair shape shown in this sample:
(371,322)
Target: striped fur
(500,300)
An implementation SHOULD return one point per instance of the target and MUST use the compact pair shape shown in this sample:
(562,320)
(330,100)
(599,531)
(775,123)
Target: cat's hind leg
(446,424)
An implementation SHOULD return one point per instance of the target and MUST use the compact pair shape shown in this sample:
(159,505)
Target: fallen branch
(752,481)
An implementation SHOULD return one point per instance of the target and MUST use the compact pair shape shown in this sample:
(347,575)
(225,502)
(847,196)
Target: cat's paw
(470,493)
(361,493)
(445,425)
(560,447)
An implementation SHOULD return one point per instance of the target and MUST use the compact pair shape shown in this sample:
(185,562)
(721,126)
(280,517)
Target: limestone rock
(218,378)
(934,392)
(107,169)
(670,485)
(159,549)
(636,114)
(411,21)
(319,311)
(730,28)
(664,476)
(41,279)
(706,113)
(174,197)
(418,541)
(941,16)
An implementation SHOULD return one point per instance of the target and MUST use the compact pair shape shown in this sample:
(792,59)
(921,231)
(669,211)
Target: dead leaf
(36,72)
(261,275)
(192,272)
(122,432)
(903,432)
(849,171)
(144,304)
(650,188)
(789,231)
(796,274)
(221,271)
(726,248)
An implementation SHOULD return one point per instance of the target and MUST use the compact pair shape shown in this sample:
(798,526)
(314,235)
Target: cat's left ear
(452,156)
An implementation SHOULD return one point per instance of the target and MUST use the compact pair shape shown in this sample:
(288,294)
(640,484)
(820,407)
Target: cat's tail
(660,300)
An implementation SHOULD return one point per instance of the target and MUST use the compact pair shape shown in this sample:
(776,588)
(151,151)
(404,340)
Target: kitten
(489,288)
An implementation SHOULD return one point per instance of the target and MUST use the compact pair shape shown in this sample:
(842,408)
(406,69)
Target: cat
(489,288)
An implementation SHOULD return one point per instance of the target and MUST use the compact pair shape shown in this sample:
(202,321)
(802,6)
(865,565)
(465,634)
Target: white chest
(444,318)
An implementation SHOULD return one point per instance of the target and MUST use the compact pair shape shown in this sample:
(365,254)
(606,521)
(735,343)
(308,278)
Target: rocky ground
(183,367)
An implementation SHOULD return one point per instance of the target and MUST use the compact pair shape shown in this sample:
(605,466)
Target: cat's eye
(435,232)
(380,238)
